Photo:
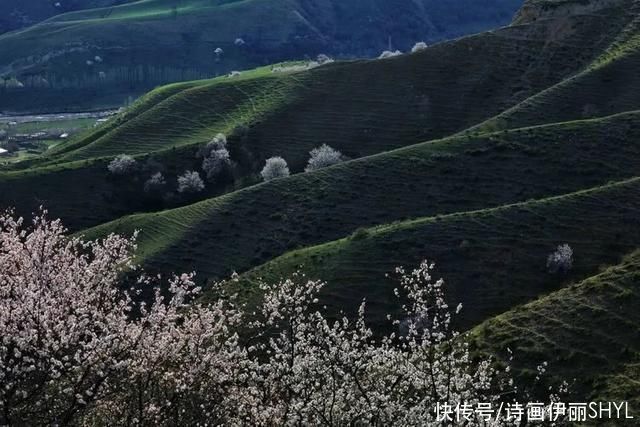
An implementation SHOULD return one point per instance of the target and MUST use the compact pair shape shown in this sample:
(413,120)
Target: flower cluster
(78,347)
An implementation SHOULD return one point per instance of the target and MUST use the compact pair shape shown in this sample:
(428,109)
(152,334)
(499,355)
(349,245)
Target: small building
(3,152)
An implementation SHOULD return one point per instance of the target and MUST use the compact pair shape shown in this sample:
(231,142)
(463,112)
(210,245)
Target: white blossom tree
(216,163)
(190,182)
(155,183)
(122,165)
(419,47)
(561,260)
(323,157)
(389,54)
(217,143)
(275,167)
(78,348)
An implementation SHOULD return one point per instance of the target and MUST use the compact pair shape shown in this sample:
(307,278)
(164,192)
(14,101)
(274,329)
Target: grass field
(492,259)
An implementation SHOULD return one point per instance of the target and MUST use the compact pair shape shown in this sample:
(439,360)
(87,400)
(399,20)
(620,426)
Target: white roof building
(3,152)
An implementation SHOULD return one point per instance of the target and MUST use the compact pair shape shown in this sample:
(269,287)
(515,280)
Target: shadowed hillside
(588,333)
(99,57)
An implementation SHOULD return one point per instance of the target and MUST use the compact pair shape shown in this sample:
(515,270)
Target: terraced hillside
(98,57)
(361,108)
(493,259)
(607,86)
(588,333)
(248,227)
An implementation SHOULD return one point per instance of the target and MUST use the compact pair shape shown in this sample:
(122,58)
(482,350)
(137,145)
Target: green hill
(246,228)
(22,13)
(98,57)
(607,86)
(361,108)
(588,332)
(492,259)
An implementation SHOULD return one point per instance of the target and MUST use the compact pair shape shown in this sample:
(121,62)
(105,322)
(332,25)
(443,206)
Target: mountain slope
(22,13)
(492,259)
(361,108)
(588,333)
(131,48)
(246,228)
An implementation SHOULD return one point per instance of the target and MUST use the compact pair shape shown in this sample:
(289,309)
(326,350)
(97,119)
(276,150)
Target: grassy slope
(608,86)
(492,259)
(248,227)
(178,37)
(348,105)
(588,332)
(445,89)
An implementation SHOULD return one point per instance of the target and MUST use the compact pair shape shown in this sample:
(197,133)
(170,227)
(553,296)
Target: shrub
(190,182)
(323,157)
(155,183)
(418,47)
(122,165)
(389,54)
(560,261)
(275,167)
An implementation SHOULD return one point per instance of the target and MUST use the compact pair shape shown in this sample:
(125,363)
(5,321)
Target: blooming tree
(418,47)
(190,182)
(217,143)
(122,165)
(75,349)
(78,348)
(155,183)
(216,163)
(323,157)
(275,167)
(561,260)
(389,54)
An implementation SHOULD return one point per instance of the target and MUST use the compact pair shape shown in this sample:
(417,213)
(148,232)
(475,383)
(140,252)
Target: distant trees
(190,183)
(122,165)
(217,159)
(322,157)
(275,167)
(418,47)
(561,260)
(389,54)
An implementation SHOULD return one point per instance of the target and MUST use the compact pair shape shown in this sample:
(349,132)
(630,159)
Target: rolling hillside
(492,259)
(99,57)
(218,236)
(23,13)
(588,333)
(361,108)
(481,154)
